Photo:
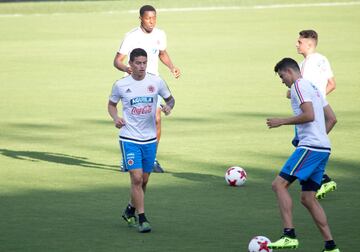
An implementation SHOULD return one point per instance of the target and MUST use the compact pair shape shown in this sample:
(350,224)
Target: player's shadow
(183,119)
(260,115)
(97,121)
(198,177)
(59,158)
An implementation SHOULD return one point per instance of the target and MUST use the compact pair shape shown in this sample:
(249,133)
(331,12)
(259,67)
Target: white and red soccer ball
(235,176)
(259,244)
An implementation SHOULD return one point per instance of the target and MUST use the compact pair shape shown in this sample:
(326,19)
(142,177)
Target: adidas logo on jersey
(128,90)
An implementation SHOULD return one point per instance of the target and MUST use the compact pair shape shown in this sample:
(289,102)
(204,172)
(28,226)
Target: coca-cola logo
(141,110)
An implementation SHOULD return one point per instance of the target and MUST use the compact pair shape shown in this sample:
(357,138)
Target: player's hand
(119,122)
(129,70)
(274,122)
(166,109)
(288,94)
(176,72)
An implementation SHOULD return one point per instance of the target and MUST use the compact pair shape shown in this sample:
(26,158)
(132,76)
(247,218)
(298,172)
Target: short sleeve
(124,47)
(128,42)
(162,41)
(301,91)
(326,68)
(115,94)
(164,91)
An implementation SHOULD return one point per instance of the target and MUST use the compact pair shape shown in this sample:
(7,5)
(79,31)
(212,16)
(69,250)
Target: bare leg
(157,166)
(145,181)
(137,192)
(317,212)
(280,187)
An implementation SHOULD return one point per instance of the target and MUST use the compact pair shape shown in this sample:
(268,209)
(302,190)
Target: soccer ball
(235,176)
(259,244)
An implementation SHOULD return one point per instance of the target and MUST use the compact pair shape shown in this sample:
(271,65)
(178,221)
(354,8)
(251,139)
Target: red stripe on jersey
(298,92)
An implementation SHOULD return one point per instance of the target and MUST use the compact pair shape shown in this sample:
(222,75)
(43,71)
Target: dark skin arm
(119,63)
(330,118)
(165,58)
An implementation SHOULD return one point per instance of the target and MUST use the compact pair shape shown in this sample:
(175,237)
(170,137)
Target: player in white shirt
(138,93)
(314,119)
(153,41)
(316,68)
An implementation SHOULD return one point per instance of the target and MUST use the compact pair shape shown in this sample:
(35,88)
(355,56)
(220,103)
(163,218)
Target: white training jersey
(316,69)
(152,43)
(312,135)
(139,99)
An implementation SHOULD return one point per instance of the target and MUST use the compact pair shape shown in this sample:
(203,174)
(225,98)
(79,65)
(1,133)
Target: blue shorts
(307,166)
(138,156)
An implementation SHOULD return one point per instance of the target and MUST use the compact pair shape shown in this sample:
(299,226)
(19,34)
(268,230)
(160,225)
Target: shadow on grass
(215,171)
(198,119)
(199,177)
(255,114)
(171,119)
(35,126)
(59,158)
(98,121)
(89,219)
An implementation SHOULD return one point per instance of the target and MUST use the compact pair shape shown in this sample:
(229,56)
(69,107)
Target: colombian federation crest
(151,89)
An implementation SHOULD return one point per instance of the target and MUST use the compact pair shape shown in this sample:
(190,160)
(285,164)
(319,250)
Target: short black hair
(145,8)
(136,53)
(309,34)
(286,63)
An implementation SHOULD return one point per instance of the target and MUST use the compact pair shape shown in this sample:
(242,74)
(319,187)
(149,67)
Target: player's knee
(279,184)
(137,180)
(307,200)
(275,185)
(145,181)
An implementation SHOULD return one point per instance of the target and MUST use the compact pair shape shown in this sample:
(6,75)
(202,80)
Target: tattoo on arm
(170,102)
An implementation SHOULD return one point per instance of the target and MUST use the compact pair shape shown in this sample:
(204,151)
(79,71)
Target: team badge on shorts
(130,162)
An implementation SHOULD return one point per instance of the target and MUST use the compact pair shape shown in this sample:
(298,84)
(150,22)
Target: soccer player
(153,41)
(314,119)
(316,69)
(138,93)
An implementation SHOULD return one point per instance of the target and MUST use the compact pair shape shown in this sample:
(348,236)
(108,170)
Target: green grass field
(60,189)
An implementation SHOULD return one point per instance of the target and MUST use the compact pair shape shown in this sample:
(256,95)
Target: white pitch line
(254,7)
(208,8)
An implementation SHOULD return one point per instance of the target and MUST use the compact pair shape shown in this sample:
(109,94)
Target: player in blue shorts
(138,94)
(316,68)
(314,119)
(154,41)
